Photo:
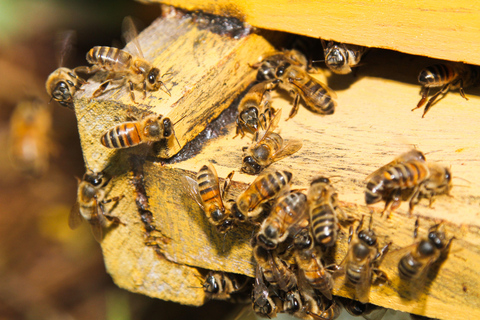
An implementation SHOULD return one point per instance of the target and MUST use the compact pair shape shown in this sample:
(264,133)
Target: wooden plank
(426,27)
(372,124)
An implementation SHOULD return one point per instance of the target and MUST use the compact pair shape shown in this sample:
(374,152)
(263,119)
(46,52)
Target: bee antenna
(462,179)
(317,61)
(166,89)
(430,151)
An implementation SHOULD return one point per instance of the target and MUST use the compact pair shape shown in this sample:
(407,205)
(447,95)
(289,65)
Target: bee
(90,204)
(62,83)
(121,65)
(398,183)
(287,212)
(206,192)
(366,310)
(305,304)
(362,260)
(221,285)
(30,144)
(439,182)
(264,303)
(448,77)
(267,67)
(342,57)
(323,208)
(267,147)
(410,155)
(310,265)
(254,110)
(418,259)
(264,188)
(149,129)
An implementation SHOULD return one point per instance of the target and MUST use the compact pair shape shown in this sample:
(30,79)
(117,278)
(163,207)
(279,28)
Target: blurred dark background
(48,271)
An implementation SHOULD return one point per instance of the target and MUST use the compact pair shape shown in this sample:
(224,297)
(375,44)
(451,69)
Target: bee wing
(271,126)
(376,314)
(75,219)
(64,42)
(97,229)
(413,154)
(130,35)
(191,186)
(362,288)
(288,149)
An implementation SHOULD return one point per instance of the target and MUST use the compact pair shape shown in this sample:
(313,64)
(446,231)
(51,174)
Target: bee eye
(151,78)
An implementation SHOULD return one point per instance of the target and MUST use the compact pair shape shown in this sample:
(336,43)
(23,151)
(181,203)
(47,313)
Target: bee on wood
(310,265)
(264,303)
(131,68)
(397,183)
(263,189)
(267,67)
(254,110)
(30,144)
(448,77)
(62,83)
(90,204)
(439,182)
(342,57)
(276,271)
(221,285)
(152,128)
(410,155)
(207,194)
(418,258)
(267,147)
(362,260)
(286,214)
(323,208)
(306,304)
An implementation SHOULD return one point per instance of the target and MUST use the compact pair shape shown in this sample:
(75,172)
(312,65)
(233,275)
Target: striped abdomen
(121,136)
(209,189)
(324,224)
(289,209)
(318,278)
(111,59)
(263,152)
(409,267)
(437,75)
(317,96)
(266,187)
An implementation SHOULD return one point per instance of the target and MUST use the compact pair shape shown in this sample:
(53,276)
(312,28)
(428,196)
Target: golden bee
(30,143)
(254,110)
(90,204)
(264,303)
(62,83)
(323,209)
(310,265)
(410,155)
(275,270)
(439,182)
(362,260)
(398,183)
(150,129)
(249,203)
(220,285)
(267,147)
(448,77)
(342,57)
(286,214)
(206,192)
(130,68)
(417,259)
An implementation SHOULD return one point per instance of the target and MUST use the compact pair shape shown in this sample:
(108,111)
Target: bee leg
(144,90)
(131,89)
(103,86)
(462,92)
(431,102)
(226,184)
(422,101)
(413,201)
(380,276)
(296,106)
(87,70)
(415,231)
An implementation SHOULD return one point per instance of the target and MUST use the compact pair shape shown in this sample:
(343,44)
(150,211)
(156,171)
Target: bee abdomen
(406,175)
(124,135)
(274,182)
(109,58)
(437,75)
(321,101)
(354,274)
(408,267)
(323,225)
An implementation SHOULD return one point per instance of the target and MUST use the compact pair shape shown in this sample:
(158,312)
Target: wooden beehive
(372,124)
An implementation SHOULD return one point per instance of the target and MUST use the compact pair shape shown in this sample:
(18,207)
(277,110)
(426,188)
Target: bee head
(368,237)
(302,240)
(153,79)
(211,286)
(96,179)
(320,180)
(437,238)
(281,69)
(237,213)
(292,302)
(268,238)
(167,128)
(336,57)
(61,92)
(250,165)
(249,116)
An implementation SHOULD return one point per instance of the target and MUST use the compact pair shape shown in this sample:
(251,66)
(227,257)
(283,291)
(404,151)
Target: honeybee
(267,67)
(410,155)
(439,182)
(342,57)
(415,264)
(152,128)
(62,83)
(264,303)
(276,271)
(287,212)
(206,192)
(131,68)
(267,147)
(323,207)
(366,310)
(90,204)
(254,110)
(305,304)
(310,265)
(30,144)
(398,183)
(448,77)
(221,285)
(362,259)
(264,188)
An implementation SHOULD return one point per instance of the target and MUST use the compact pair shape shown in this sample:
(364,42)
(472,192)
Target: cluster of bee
(295,231)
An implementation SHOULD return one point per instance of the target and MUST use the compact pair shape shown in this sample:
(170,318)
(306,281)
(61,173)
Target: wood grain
(371,125)
(443,29)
